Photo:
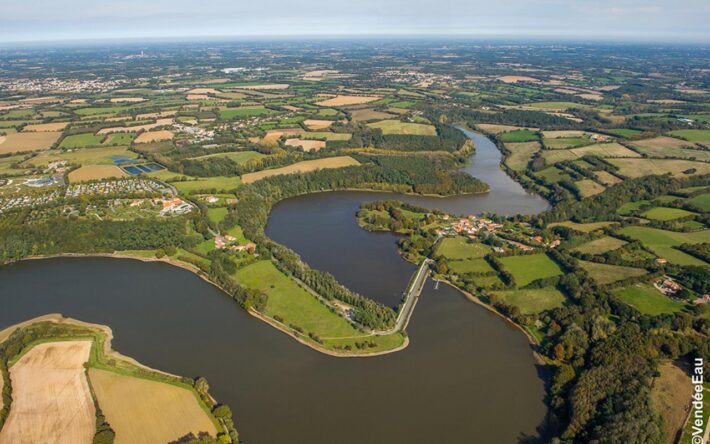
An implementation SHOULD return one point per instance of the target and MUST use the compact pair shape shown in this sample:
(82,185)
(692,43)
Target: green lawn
(219,183)
(661,242)
(216,215)
(518,136)
(459,248)
(81,140)
(646,299)
(244,111)
(398,127)
(291,302)
(692,135)
(235,156)
(534,300)
(663,213)
(601,245)
(528,268)
(470,266)
(606,274)
(701,201)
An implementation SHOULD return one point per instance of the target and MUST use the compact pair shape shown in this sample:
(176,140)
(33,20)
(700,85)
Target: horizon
(654,21)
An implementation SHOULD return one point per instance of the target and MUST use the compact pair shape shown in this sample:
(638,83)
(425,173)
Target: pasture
(454,248)
(520,154)
(394,126)
(643,167)
(367,114)
(470,266)
(533,300)
(81,141)
(528,268)
(244,111)
(646,299)
(583,227)
(147,411)
(701,201)
(51,399)
(670,397)
(606,274)
(235,156)
(302,167)
(664,213)
(661,242)
(601,245)
(693,135)
(493,128)
(518,136)
(588,187)
(216,183)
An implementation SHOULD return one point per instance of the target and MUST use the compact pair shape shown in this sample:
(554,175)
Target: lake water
(467,376)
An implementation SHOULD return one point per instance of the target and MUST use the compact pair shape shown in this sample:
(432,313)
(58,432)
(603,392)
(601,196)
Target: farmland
(606,274)
(459,248)
(398,127)
(532,301)
(302,167)
(647,300)
(528,268)
(95,172)
(24,142)
(662,242)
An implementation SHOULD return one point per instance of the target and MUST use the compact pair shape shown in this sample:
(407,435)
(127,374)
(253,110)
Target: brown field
(127,99)
(267,86)
(645,167)
(272,136)
(193,97)
(670,397)
(516,79)
(315,124)
(40,100)
(588,187)
(667,101)
(302,167)
(605,150)
(563,133)
(203,91)
(365,114)
(45,127)
(662,142)
(143,411)
(607,178)
(95,172)
(156,115)
(595,97)
(154,136)
(24,142)
(347,100)
(51,400)
(521,153)
(307,145)
(290,108)
(497,129)
(130,129)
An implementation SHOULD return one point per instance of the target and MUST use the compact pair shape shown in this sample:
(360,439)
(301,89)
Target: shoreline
(195,270)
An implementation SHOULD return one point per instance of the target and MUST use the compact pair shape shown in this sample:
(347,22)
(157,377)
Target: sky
(620,20)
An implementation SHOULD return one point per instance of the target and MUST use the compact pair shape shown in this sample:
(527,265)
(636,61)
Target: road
(413,292)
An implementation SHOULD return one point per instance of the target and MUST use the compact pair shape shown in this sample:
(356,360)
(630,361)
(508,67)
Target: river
(466,377)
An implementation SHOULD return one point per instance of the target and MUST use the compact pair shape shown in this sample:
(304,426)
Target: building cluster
(196,133)
(174,207)
(59,85)
(27,200)
(127,186)
(411,77)
(668,286)
(229,242)
(472,226)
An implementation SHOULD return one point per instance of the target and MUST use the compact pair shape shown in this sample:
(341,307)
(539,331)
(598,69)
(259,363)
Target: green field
(216,215)
(470,266)
(459,248)
(606,274)
(567,142)
(398,127)
(291,302)
(661,242)
(518,136)
(533,300)
(217,183)
(85,156)
(646,299)
(81,140)
(235,156)
(245,111)
(327,135)
(692,135)
(601,245)
(585,228)
(701,201)
(120,139)
(624,132)
(528,268)
(663,213)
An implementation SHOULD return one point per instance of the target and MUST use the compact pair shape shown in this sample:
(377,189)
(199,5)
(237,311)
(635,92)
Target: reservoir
(467,376)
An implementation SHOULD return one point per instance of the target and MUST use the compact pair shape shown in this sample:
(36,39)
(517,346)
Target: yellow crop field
(45,127)
(154,136)
(95,172)
(307,145)
(341,100)
(145,411)
(315,124)
(51,400)
(130,129)
(645,167)
(25,142)
(302,167)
